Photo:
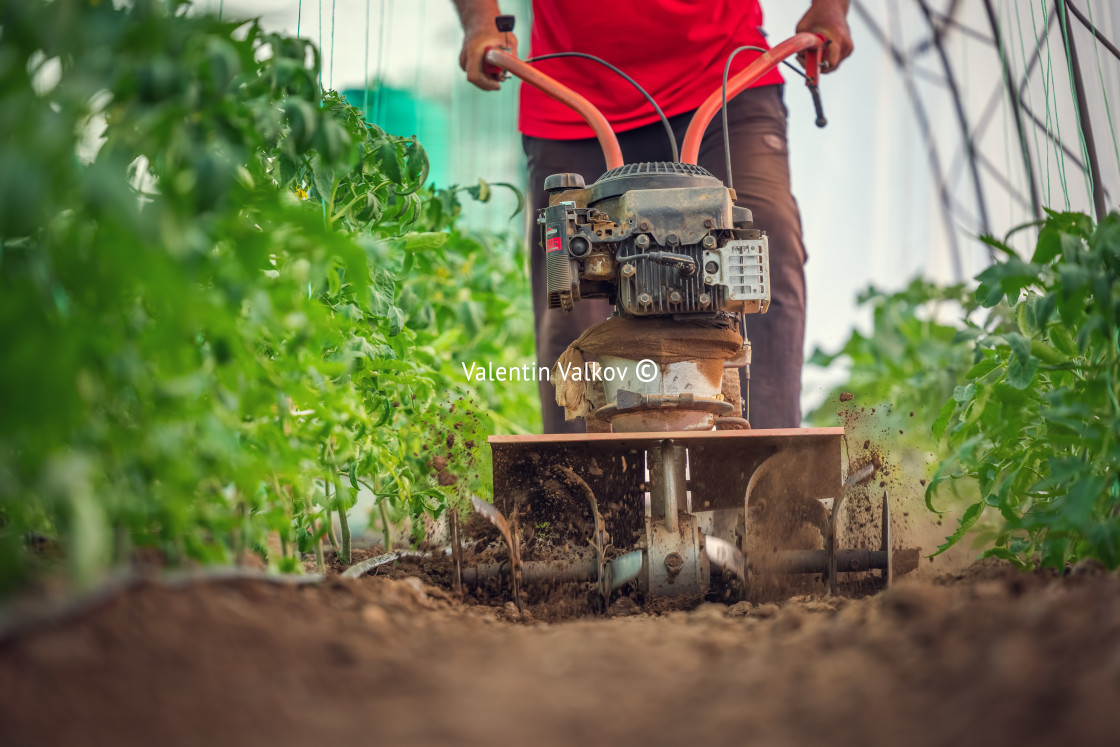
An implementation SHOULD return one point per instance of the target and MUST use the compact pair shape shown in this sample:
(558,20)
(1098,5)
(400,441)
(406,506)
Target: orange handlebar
(737,84)
(607,140)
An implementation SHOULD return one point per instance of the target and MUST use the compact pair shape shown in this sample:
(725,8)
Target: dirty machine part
(665,500)
(654,239)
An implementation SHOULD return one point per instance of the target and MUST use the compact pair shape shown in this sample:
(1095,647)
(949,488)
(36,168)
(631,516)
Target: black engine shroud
(654,239)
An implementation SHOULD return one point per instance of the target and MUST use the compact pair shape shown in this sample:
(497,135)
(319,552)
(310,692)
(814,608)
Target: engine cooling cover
(654,239)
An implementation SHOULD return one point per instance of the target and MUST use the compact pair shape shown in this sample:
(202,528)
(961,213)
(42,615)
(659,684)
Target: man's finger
(831,58)
(480,78)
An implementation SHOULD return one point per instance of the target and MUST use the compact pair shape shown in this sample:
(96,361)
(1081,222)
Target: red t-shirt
(675,49)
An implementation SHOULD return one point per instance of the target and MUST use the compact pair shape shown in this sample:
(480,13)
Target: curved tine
(494,516)
(360,569)
(588,493)
(599,538)
(751,484)
(725,555)
(858,477)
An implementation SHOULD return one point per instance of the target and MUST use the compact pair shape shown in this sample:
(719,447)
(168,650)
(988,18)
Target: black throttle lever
(815,92)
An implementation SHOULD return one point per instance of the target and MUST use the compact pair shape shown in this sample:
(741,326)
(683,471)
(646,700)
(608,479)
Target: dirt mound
(990,656)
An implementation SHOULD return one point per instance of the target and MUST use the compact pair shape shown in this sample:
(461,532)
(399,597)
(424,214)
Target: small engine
(654,239)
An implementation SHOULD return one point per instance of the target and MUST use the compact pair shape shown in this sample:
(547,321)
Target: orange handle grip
(741,81)
(550,86)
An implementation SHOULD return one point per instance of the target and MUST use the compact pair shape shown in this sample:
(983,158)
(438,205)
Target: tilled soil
(989,656)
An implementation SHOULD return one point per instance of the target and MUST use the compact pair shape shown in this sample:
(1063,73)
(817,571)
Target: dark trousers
(760,164)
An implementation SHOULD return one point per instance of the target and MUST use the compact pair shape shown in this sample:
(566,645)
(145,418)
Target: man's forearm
(476,14)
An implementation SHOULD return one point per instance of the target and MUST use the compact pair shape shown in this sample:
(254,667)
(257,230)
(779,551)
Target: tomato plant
(223,297)
(1036,419)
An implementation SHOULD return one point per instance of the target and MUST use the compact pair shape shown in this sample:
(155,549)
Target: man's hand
(477,17)
(829,17)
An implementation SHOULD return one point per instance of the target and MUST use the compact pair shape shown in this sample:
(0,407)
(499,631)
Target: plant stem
(385,523)
(320,564)
(343,524)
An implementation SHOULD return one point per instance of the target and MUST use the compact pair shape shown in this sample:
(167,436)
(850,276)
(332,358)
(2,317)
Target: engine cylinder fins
(656,167)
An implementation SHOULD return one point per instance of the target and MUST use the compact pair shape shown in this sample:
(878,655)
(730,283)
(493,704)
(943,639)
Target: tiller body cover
(673,489)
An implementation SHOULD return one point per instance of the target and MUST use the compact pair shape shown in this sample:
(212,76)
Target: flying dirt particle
(882,483)
(451,440)
(469,443)
(911,413)
(922,482)
(446,479)
(396,404)
(872,410)
(900,431)
(905,513)
(867,444)
(846,396)
(439,463)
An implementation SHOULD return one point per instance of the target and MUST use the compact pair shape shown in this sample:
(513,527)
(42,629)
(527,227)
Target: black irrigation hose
(628,79)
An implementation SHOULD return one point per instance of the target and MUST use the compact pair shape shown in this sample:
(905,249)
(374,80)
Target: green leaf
(1005,554)
(998,245)
(971,515)
(1049,245)
(423,242)
(387,155)
(1062,339)
(982,369)
(1023,365)
(943,417)
(418,165)
(396,321)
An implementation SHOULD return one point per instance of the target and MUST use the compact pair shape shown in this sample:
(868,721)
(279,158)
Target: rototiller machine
(670,488)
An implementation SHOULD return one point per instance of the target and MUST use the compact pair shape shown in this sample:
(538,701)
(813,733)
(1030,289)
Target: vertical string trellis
(377,101)
(330,77)
(1048,86)
(365,68)
(1034,130)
